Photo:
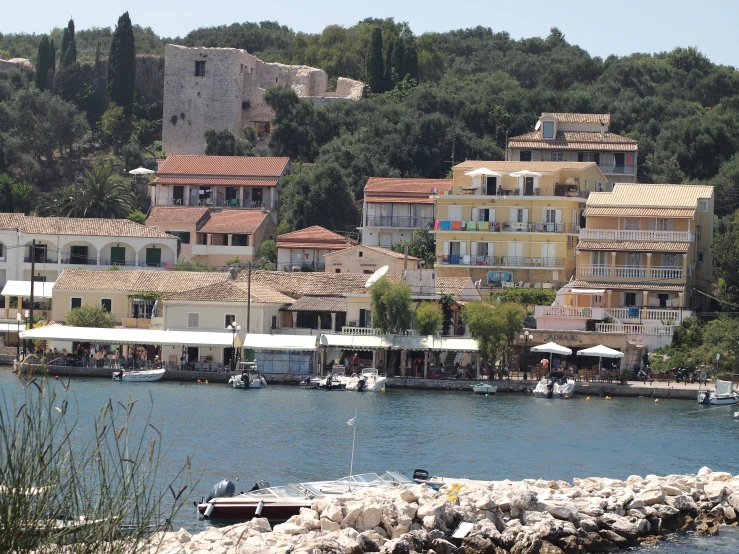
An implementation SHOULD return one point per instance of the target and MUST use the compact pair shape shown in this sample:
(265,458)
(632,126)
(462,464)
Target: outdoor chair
(537,285)
(527,285)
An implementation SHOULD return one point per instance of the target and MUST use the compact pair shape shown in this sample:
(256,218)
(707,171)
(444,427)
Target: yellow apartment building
(513,221)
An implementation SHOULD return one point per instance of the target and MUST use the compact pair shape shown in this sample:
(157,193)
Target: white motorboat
(484,388)
(724,393)
(556,384)
(370,380)
(142,376)
(247,377)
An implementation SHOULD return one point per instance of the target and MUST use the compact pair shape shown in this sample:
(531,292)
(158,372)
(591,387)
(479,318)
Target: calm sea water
(287,434)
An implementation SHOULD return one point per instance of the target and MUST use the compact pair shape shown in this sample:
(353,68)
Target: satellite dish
(537,126)
(376,276)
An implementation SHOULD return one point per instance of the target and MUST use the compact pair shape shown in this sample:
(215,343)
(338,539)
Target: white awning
(212,339)
(356,342)
(587,291)
(23,289)
(401,342)
(601,351)
(301,343)
(12,327)
(552,348)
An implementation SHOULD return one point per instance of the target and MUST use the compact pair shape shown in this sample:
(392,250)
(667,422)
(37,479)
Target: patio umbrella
(482,171)
(602,352)
(552,348)
(141,171)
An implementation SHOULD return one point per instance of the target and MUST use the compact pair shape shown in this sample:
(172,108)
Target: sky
(601,28)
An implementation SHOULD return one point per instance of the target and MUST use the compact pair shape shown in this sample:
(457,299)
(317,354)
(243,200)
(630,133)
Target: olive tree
(391,306)
(494,327)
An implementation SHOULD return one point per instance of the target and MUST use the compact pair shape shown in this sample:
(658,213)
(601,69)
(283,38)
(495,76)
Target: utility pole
(33,272)
(248,300)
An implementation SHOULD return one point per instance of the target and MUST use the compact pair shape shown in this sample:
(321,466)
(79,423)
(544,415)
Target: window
(184,236)
(2,252)
(702,205)
(75,303)
(671,260)
(598,258)
(701,258)
(586,157)
(118,255)
(365,318)
(239,240)
(630,299)
(153,257)
(193,320)
(662,224)
(633,259)
(547,129)
(632,224)
(199,69)
(525,155)
(337,270)
(230,318)
(360,254)
(557,156)
(519,215)
(698,232)
(107,304)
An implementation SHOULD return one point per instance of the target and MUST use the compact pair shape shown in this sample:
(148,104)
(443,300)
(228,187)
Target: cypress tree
(122,66)
(389,80)
(71,55)
(398,59)
(52,61)
(410,61)
(375,70)
(43,64)
(65,46)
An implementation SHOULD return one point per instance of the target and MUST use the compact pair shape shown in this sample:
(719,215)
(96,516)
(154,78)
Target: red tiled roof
(578,117)
(234,221)
(399,200)
(225,166)
(379,250)
(224,182)
(640,212)
(575,140)
(177,214)
(315,244)
(315,235)
(409,185)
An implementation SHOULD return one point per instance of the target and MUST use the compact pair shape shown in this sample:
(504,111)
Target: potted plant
(624,376)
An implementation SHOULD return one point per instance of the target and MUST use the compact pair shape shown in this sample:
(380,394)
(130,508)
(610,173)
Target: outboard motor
(329,381)
(705,397)
(361,384)
(550,387)
(224,489)
(420,475)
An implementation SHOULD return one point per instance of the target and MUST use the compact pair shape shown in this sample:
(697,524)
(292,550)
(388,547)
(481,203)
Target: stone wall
(16,63)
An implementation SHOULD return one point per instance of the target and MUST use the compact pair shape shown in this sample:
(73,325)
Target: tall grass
(64,478)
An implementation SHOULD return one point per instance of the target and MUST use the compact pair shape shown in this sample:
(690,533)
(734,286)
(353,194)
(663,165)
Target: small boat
(140,376)
(556,384)
(724,393)
(370,380)
(250,370)
(280,503)
(310,383)
(484,388)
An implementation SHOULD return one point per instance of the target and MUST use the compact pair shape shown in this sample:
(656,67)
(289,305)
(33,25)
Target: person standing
(355,361)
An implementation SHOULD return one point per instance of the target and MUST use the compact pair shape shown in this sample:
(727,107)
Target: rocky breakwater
(526,517)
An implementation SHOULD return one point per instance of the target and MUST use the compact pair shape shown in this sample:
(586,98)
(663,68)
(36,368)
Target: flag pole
(351,465)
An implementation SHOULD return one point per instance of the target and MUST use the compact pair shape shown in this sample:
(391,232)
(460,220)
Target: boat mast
(353,424)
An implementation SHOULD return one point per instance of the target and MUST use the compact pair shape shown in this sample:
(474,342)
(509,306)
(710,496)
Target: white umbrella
(482,171)
(552,348)
(141,171)
(602,352)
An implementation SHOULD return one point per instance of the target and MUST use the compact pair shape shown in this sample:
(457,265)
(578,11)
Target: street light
(26,314)
(234,329)
(525,337)
(18,342)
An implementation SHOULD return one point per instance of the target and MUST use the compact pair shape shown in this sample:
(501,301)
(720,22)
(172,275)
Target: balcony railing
(40,259)
(502,261)
(304,267)
(399,221)
(661,315)
(618,169)
(661,330)
(569,312)
(631,272)
(214,203)
(595,271)
(506,227)
(559,189)
(624,234)
(78,260)
(664,272)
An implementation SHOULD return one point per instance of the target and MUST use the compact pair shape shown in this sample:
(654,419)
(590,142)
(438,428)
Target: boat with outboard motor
(139,376)
(484,388)
(556,384)
(332,381)
(724,393)
(369,380)
(251,370)
(281,503)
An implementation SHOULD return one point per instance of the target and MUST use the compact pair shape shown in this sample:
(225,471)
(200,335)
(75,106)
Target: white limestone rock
(704,471)
(289,528)
(685,503)
(714,491)
(369,518)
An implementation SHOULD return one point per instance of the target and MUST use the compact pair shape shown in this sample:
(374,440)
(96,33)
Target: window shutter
(525,215)
(462,249)
(514,215)
(475,214)
(558,216)
(473,249)
(446,248)
(579,156)
(491,214)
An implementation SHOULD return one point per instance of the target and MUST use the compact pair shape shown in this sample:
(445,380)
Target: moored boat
(141,376)
(370,380)
(555,385)
(484,388)
(723,393)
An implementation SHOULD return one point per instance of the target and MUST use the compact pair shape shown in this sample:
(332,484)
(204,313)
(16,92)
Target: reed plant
(95,481)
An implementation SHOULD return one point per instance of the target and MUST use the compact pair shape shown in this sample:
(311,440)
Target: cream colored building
(513,221)
(306,249)
(577,137)
(368,259)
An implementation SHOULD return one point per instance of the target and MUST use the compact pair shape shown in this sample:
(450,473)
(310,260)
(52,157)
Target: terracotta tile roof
(640,212)
(232,291)
(234,221)
(299,284)
(224,182)
(161,214)
(313,237)
(399,200)
(128,281)
(378,249)
(627,286)
(511,167)
(630,245)
(408,185)
(650,196)
(222,166)
(575,140)
(318,304)
(578,117)
(451,285)
(79,226)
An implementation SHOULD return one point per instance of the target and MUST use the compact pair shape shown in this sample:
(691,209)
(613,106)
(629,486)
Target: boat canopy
(724,387)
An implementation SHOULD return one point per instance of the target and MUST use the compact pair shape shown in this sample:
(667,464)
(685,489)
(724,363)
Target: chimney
(602,130)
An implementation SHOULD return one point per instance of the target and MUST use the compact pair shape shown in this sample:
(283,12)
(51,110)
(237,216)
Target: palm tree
(104,195)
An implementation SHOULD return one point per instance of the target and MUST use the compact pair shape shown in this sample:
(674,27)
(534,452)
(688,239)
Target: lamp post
(525,337)
(24,340)
(18,342)
(234,329)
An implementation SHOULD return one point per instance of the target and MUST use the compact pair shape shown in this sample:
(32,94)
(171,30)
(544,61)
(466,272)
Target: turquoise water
(287,434)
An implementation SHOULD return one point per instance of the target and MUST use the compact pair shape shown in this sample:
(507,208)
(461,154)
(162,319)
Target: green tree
(429,318)
(69,47)
(494,327)
(43,65)
(115,126)
(90,315)
(294,132)
(391,306)
(421,245)
(137,216)
(193,264)
(374,65)
(725,258)
(225,143)
(527,297)
(105,195)
(122,67)
(268,250)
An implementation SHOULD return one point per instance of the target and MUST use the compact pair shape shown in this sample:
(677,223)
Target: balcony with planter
(505,227)
(619,272)
(502,261)
(636,235)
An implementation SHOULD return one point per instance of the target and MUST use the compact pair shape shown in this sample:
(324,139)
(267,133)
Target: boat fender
(260,506)
(209,509)
(656,400)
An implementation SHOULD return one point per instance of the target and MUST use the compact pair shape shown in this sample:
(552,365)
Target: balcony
(502,261)
(206,249)
(631,272)
(506,227)
(214,203)
(662,316)
(661,330)
(559,189)
(569,312)
(39,260)
(618,169)
(399,222)
(623,234)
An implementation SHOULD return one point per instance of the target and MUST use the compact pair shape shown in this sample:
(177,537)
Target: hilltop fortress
(223,88)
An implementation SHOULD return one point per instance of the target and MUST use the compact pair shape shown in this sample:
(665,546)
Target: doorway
(454,251)
(192,354)
(618,160)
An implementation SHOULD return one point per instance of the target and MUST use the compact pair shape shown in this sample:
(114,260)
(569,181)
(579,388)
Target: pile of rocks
(526,517)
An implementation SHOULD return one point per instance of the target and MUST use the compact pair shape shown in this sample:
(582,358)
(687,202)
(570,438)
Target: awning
(401,342)
(586,291)
(213,339)
(356,342)
(23,288)
(12,327)
(552,348)
(256,341)
(601,351)
(318,304)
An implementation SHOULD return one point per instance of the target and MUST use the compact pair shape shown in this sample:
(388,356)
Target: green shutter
(118,255)
(153,257)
